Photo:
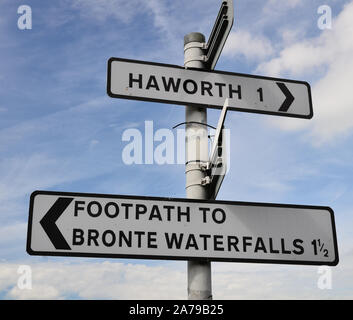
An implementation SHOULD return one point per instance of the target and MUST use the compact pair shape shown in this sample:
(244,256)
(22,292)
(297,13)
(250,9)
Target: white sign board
(91,225)
(140,80)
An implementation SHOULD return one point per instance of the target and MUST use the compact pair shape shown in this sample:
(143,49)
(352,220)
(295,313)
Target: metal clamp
(205,166)
(202,58)
(195,44)
(205,181)
(198,178)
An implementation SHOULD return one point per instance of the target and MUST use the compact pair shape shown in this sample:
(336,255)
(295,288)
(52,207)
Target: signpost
(149,81)
(93,225)
(196,229)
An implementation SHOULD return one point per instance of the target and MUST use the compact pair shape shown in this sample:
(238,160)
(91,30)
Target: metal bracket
(205,166)
(206,180)
(202,58)
(194,180)
(190,45)
(202,45)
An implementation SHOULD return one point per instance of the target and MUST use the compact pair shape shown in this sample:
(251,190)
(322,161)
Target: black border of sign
(129,97)
(156,257)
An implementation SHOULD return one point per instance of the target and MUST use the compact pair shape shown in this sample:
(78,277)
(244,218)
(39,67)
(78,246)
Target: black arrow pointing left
(48,223)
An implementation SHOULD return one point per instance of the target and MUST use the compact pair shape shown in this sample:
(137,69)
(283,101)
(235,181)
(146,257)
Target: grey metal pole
(196,145)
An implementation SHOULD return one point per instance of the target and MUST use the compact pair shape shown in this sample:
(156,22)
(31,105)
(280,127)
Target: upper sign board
(93,225)
(140,80)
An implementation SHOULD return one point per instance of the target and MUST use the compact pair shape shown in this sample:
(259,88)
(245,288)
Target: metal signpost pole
(196,145)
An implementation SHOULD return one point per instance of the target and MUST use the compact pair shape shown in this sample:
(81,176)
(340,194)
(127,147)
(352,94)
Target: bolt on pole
(196,145)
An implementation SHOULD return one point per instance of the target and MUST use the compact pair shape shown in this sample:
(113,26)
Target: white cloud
(95,280)
(160,13)
(40,292)
(279,7)
(296,59)
(124,11)
(330,54)
(153,13)
(252,47)
(168,280)
(101,10)
(289,36)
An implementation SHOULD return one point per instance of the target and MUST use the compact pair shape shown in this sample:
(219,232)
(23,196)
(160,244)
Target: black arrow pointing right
(289,97)
(49,220)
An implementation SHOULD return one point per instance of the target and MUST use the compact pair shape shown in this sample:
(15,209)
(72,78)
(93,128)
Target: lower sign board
(113,226)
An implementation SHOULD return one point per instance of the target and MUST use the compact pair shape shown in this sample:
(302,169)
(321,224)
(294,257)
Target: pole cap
(194,37)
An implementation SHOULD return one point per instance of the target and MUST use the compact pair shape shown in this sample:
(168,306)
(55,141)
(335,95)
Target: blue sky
(60,131)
